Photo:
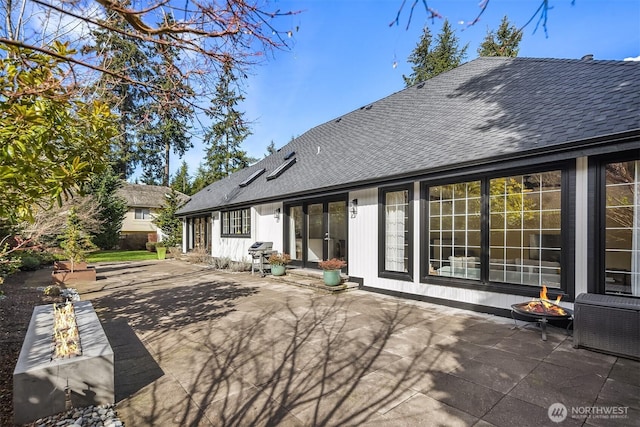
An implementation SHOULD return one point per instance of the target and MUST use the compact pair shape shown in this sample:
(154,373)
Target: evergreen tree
(504,42)
(181,181)
(227,131)
(271,149)
(170,113)
(112,211)
(75,242)
(125,56)
(167,221)
(201,179)
(427,62)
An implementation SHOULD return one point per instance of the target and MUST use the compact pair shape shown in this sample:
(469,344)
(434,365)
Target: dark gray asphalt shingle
(486,108)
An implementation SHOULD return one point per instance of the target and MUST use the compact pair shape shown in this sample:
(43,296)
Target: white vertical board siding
(184,235)
(582,213)
(216,230)
(227,247)
(265,227)
(363,236)
(417,227)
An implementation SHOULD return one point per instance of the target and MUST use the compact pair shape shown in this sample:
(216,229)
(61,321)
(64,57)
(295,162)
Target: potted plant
(331,273)
(161,250)
(278,263)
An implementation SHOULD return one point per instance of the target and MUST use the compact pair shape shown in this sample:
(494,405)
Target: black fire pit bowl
(561,321)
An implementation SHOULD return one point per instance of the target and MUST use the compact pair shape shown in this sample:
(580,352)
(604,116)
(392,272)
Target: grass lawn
(106,256)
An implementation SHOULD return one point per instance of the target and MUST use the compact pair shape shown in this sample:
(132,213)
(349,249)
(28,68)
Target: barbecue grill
(260,253)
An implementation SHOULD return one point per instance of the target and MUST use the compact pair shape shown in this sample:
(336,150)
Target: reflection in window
(454,232)
(524,229)
(295,232)
(396,231)
(622,247)
(142,213)
(236,223)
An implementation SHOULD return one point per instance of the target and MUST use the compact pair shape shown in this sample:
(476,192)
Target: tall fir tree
(271,149)
(170,114)
(503,42)
(181,181)
(428,62)
(125,56)
(228,129)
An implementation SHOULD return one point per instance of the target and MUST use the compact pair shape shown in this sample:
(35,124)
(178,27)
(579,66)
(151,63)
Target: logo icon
(557,412)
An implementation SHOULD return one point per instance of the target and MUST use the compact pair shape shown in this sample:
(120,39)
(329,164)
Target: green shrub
(52,291)
(151,246)
(29,263)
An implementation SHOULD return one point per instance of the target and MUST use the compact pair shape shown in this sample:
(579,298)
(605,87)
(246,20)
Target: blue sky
(342,57)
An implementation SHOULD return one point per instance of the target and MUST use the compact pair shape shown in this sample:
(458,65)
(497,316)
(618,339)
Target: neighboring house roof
(146,196)
(486,109)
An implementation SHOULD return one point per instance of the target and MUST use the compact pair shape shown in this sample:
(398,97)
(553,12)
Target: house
(472,189)
(143,202)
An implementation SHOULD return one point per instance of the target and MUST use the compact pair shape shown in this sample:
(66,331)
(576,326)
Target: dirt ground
(21,296)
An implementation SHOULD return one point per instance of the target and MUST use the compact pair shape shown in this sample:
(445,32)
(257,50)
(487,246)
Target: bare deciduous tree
(206,33)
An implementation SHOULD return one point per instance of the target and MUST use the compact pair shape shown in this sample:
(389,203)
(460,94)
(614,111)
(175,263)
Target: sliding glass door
(316,231)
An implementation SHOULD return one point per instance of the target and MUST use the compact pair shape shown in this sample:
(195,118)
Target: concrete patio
(194,346)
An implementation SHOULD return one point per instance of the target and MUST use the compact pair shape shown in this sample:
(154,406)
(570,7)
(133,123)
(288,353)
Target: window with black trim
(454,230)
(236,223)
(500,230)
(621,240)
(396,230)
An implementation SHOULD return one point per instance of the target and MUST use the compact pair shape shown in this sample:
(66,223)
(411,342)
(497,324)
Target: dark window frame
(596,224)
(567,227)
(243,225)
(382,272)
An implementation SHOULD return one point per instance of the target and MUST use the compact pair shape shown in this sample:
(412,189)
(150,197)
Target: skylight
(252,177)
(280,169)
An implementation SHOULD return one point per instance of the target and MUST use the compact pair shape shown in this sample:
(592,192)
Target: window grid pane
(524,229)
(396,239)
(454,240)
(236,222)
(622,235)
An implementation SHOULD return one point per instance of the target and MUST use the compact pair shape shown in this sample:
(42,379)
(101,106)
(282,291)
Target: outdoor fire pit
(65,360)
(541,310)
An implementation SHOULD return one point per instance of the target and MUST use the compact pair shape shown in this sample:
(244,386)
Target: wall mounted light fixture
(353,207)
(276,213)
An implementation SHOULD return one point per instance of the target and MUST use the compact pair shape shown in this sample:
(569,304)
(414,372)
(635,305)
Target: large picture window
(504,229)
(236,223)
(524,229)
(454,230)
(622,229)
(396,231)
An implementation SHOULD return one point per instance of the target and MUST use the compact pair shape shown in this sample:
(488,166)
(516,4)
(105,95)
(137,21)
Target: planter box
(66,276)
(66,265)
(39,383)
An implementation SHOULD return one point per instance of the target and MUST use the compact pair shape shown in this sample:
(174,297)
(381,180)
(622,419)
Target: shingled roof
(486,109)
(146,196)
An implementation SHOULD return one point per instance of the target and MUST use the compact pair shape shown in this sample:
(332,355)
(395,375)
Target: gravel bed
(91,416)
